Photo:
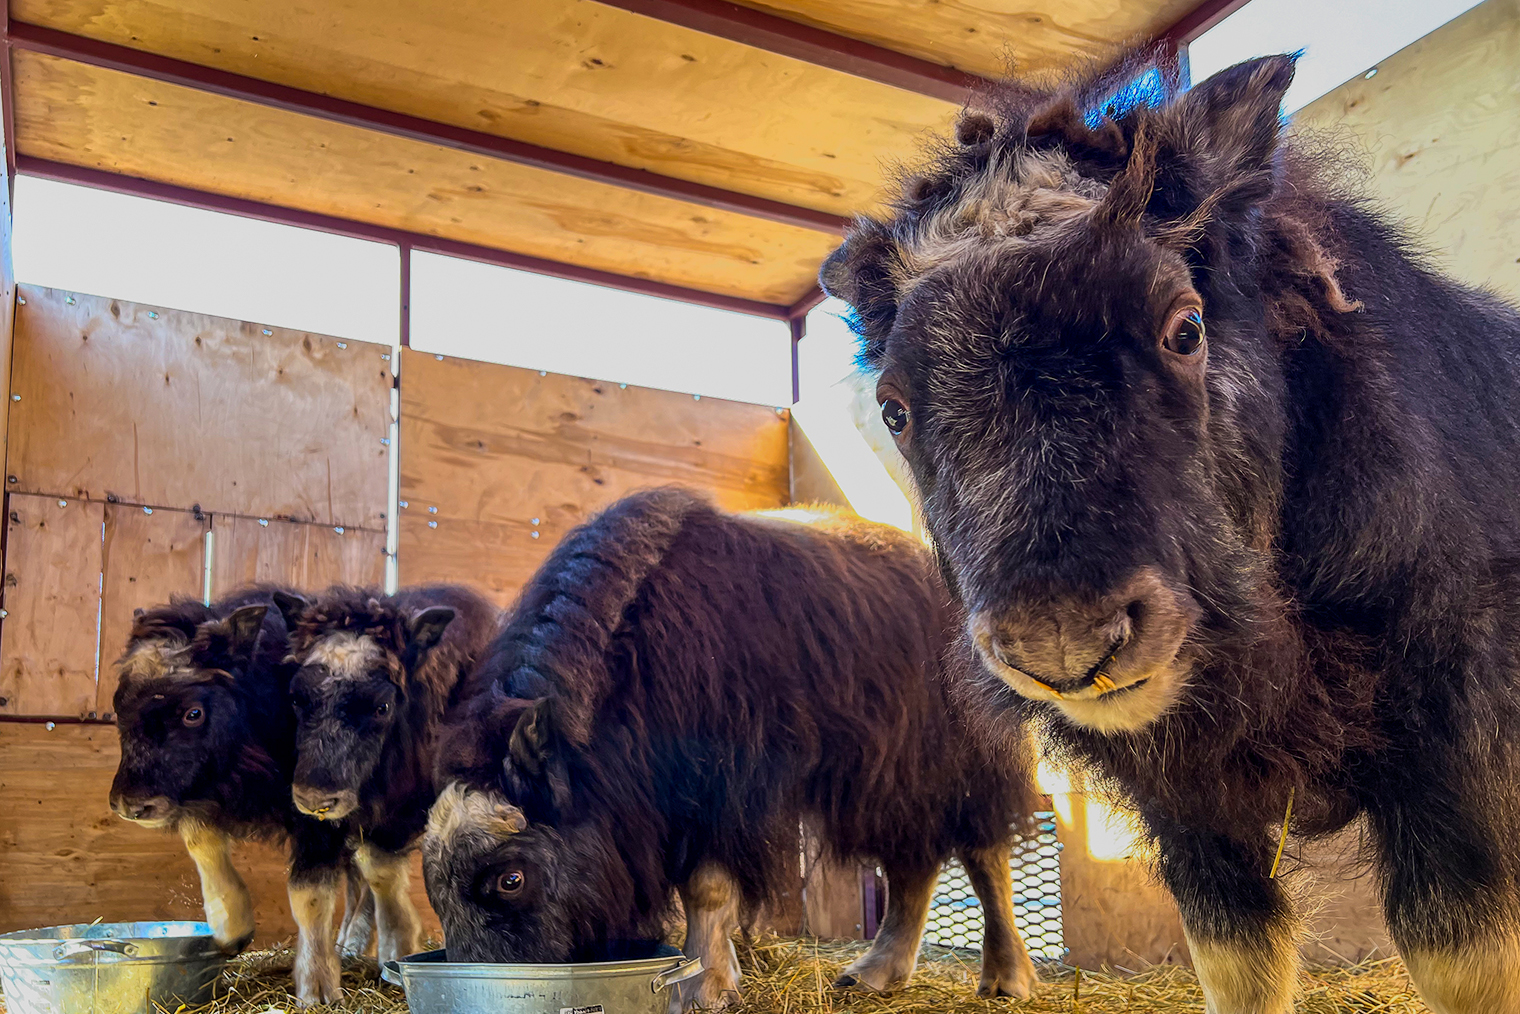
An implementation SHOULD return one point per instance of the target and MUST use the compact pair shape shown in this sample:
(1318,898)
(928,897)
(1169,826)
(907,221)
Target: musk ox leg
(316,863)
(894,954)
(317,974)
(1006,968)
(389,875)
(358,929)
(229,907)
(1238,921)
(711,900)
(1448,896)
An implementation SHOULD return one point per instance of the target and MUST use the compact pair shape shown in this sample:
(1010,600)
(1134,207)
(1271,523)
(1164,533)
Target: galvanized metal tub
(109,968)
(436,986)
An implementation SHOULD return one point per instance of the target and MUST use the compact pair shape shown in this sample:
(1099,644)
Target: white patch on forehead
(1014,201)
(344,654)
(461,809)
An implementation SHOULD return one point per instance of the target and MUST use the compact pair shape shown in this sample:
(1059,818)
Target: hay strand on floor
(789,975)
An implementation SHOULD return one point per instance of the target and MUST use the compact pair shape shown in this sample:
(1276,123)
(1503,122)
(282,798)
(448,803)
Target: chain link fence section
(955,915)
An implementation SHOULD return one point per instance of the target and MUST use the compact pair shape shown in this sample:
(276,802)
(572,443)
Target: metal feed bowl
(436,986)
(109,968)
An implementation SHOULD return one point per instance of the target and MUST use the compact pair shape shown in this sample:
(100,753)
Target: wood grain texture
(1439,125)
(306,556)
(52,595)
(148,557)
(483,442)
(567,74)
(990,39)
(81,115)
(175,409)
(64,858)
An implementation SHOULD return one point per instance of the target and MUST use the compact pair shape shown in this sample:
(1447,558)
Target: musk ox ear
(243,628)
(291,607)
(1218,155)
(425,629)
(860,273)
(531,744)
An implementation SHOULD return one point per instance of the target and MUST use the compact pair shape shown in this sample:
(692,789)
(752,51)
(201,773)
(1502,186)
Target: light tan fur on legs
(894,953)
(316,972)
(229,907)
(358,929)
(1006,968)
(1247,976)
(711,900)
(396,920)
(1482,977)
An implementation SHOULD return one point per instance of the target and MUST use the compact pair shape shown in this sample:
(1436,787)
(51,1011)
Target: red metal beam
(137,187)
(803,306)
(1200,19)
(773,34)
(110,56)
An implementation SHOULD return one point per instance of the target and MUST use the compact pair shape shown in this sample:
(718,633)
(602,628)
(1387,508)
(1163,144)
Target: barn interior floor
(787,975)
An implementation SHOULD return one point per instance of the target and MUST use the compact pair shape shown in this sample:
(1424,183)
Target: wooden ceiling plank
(133,186)
(760,30)
(107,55)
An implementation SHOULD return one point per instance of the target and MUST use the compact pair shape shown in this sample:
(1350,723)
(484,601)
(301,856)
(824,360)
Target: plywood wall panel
(81,115)
(482,442)
(175,409)
(309,557)
(64,857)
(1439,124)
(494,557)
(52,593)
(149,555)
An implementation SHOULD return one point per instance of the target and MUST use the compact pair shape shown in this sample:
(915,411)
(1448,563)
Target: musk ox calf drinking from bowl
(373,677)
(1227,479)
(676,689)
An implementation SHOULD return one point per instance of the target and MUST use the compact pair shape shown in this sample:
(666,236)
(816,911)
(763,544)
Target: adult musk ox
(208,748)
(1226,476)
(676,689)
(373,676)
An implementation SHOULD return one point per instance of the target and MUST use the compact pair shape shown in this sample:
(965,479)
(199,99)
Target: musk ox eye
(510,883)
(382,709)
(1184,332)
(895,414)
(194,716)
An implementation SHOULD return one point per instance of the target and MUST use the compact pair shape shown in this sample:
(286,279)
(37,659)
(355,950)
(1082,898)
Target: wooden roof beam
(52,42)
(773,34)
(204,200)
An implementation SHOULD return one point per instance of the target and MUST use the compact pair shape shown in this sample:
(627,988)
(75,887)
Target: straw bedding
(788,975)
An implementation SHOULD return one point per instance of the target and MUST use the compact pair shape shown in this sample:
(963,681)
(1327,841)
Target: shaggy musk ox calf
(676,689)
(208,747)
(1226,477)
(373,676)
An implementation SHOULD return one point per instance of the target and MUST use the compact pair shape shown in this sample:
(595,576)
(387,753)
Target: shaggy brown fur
(676,690)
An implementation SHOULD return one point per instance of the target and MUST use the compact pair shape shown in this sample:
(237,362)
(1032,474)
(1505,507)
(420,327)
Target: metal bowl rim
(45,934)
(517,971)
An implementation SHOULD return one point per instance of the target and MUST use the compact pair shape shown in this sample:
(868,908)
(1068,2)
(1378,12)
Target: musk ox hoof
(318,982)
(232,948)
(863,980)
(1014,989)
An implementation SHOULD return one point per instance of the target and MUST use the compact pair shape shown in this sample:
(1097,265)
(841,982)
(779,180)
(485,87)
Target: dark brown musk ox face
(1094,429)
(507,888)
(182,725)
(351,704)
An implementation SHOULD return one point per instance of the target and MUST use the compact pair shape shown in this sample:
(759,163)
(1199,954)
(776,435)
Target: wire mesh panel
(955,915)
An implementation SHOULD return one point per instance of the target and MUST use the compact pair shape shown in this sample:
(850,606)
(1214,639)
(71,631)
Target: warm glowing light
(1110,832)
(827,422)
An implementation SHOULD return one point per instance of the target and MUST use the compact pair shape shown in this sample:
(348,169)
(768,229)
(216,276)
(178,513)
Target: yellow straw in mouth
(1044,686)
(1103,684)
(1282,840)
